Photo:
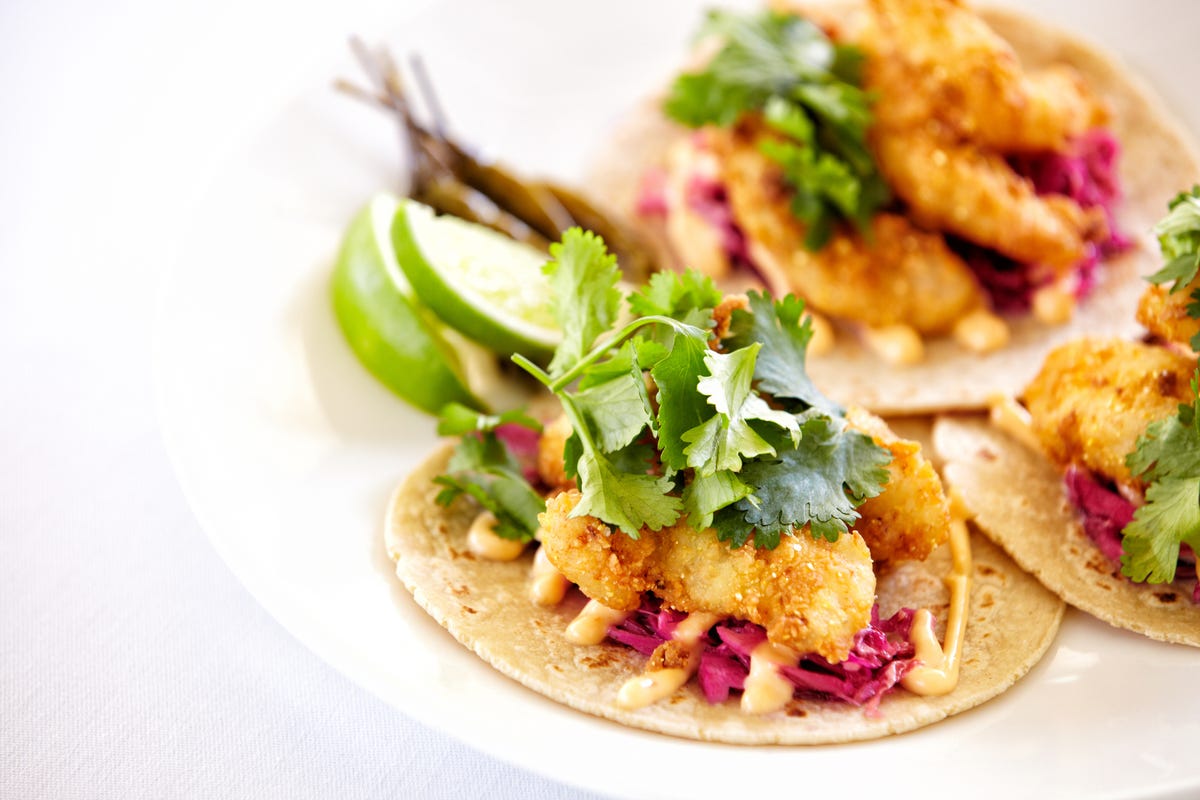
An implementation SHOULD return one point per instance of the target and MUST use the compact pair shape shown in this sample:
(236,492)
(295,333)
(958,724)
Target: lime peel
(383,322)
(480,282)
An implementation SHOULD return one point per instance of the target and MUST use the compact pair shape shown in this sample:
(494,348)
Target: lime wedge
(378,312)
(480,282)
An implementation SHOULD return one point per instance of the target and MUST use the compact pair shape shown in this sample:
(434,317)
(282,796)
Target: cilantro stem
(556,385)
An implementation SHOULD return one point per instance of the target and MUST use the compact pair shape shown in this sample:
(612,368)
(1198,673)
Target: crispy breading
(939,59)
(810,594)
(550,453)
(1093,399)
(912,515)
(952,101)
(974,193)
(897,274)
(1164,313)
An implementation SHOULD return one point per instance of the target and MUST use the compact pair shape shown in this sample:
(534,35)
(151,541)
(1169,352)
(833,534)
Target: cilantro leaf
(618,409)
(1167,457)
(724,439)
(456,419)
(705,99)
(807,89)
(628,501)
(784,332)
(832,470)
(680,406)
(768,51)
(482,468)
(689,297)
(583,276)
(1181,269)
(707,494)
(1170,517)
(1179,231)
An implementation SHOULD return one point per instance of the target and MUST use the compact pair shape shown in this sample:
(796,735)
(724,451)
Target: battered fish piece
(912,515)
(811,595)
(1093,399)
(897,274)
(938,59)
(1164,313)
(975,194)
(952,101)
(550,466)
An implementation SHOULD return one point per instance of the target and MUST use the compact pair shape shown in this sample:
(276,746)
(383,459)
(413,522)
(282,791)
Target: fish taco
(702,544)
(953,193)
(1093,484)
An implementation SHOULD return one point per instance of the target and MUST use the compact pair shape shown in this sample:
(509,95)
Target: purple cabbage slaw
(1106,513)
(881,655)
(708,198)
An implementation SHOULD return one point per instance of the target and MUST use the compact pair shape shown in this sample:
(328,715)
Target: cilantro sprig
(667,427)
(485,469)
(806,89)
(700,438)
(1167,454)
(1167,457)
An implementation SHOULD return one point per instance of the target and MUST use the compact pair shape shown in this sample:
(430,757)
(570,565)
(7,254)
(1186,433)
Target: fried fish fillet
(974,193)
(1093,399)
(896,274)
(1165,314)
(937,59)
(952,101)
(912,515)
(810,594)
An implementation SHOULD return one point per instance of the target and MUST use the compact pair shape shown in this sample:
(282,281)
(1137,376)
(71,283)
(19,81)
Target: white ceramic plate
(287,449)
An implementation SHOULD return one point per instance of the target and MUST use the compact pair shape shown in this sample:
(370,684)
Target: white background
(132,664)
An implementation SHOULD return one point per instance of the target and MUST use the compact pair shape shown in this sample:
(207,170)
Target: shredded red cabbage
(1088,175)
(652,193)
(707,197)
(1106,513)
(523,444)
(881,655)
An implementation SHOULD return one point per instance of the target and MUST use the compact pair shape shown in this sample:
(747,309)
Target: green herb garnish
(482,467)
(712,446)
(1167,455)
(807,91)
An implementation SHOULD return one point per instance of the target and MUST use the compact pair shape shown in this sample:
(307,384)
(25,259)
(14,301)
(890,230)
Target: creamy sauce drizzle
(483,541)
(981,331)
(548,586)
(938,672)
(895,344)
(593,622)
(1014,419)
(766,688)
(655,684)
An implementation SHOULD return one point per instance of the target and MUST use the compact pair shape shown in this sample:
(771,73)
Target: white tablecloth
(133,664)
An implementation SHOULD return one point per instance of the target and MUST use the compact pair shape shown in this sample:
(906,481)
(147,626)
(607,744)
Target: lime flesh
(382,321)
(480,282)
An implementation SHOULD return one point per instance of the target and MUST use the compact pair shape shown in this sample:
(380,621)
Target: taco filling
(1119,421)
(862,164)
(719,512)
